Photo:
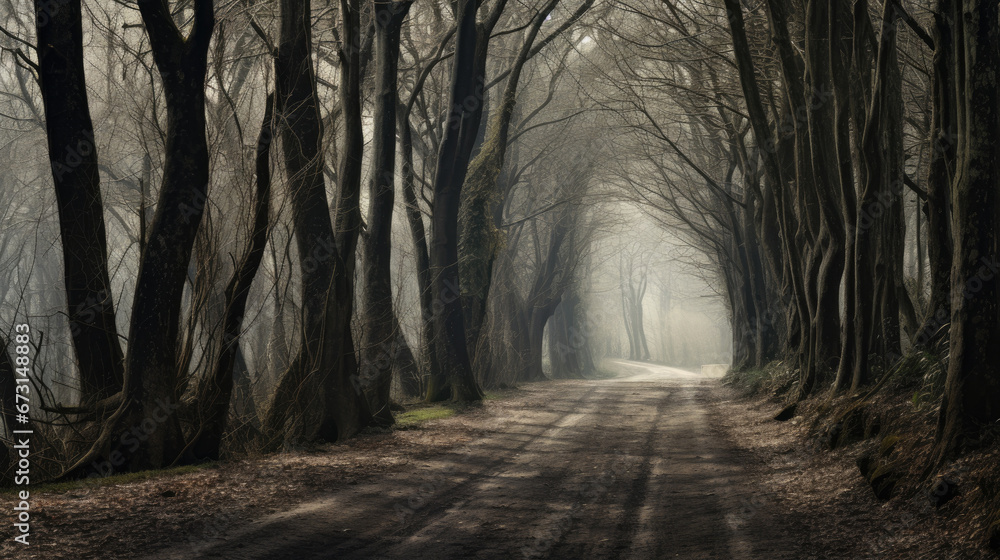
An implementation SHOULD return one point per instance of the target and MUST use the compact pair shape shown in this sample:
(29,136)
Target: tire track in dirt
(304,532)
(626,468)
(471,503)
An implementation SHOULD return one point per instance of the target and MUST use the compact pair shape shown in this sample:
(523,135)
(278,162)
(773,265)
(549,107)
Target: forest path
(624,468)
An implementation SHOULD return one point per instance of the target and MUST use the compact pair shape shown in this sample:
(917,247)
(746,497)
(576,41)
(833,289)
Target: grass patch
(418,411)
(418,416)
(102,481)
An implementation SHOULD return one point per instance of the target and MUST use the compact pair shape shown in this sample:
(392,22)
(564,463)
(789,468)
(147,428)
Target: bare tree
(382,341)
(73,156)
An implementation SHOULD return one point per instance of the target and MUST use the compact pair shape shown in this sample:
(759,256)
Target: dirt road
(624,468)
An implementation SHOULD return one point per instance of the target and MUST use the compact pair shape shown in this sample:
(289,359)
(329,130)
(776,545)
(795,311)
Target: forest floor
(656,462)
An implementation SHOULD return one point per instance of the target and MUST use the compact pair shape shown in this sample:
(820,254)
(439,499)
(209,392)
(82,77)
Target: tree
(479,232)
(151,374)
(315,397)
(215,391)
(414,216)
(940,174)
(466,100)
(346,410)
(382,339)
(972,387)
(633,292)
(570,352)
(73,157)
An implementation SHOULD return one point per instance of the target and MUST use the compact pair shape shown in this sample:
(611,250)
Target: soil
(655,463)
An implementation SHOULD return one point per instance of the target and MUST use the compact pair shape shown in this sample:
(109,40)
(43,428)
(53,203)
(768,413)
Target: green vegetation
(418,416)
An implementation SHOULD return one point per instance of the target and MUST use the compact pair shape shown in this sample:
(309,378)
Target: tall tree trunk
(840,64)
(73,157)
(775,240)
(151,374)
(381,335)
(215,392)
(897,308)
(627,319)
(298,410)
(453,161)
(538,317)
(876,310)
(778,173)
(346,410)
(570,354)
(544,297)
(972,388)
(419,237)
(939,176)
(822,127)
(414,217)
(479,233)
(641,344)
(805,255)
(765,335)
